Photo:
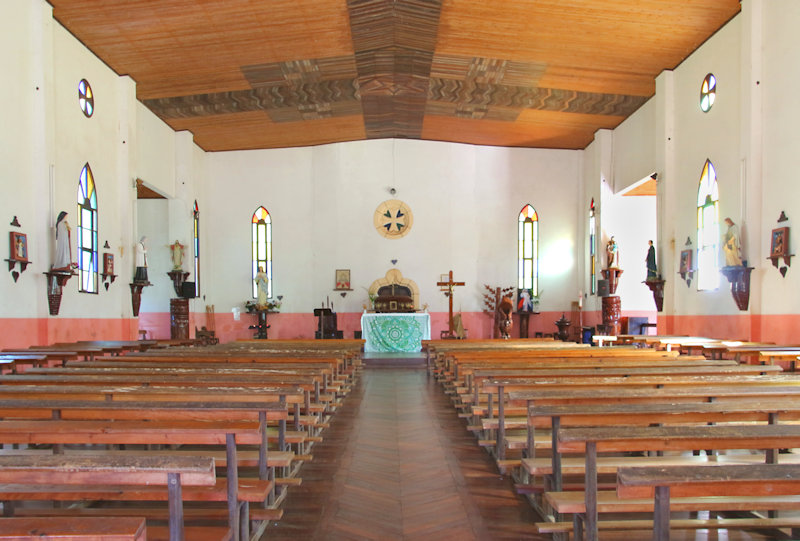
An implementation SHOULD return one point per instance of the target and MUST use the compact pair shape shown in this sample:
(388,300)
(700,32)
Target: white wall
(781,141)
(465,200)
(636,132)
(26,36)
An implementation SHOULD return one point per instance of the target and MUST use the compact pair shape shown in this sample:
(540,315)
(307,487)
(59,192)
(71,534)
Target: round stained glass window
(85,97)
(708,91)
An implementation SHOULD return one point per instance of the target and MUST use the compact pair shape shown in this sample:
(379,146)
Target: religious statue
(652,269)
(178,250)
(731,246)
(612,253)
(262,283)
(63,260)
(503,321)
(140,276)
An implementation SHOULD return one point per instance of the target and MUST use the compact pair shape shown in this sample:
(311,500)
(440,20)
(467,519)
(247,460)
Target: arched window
(87,231)
(196,243)
(262,248)
(528,249)
(592,249)
(708,229)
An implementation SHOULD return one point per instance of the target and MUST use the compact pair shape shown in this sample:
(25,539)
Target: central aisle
(398,464)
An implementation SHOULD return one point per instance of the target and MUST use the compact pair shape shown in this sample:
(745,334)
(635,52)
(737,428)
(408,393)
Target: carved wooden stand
(178,278)
(563,328)
(611,304)
(612,275)
(739,277)
(55,281)
(136,295)
(657,287)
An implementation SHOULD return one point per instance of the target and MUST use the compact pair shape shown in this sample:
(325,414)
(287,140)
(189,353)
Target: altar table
(395,332)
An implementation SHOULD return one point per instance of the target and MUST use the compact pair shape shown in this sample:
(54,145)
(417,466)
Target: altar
(395,331)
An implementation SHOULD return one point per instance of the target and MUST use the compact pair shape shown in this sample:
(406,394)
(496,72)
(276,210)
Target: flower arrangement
(273,305)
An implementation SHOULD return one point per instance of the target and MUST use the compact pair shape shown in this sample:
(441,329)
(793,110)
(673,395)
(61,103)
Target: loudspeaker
(188,290)
(602,288)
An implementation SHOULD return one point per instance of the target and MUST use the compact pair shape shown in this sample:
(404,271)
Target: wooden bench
(89,474)
(236,494)
(74,529)
(662,483)
(591,441)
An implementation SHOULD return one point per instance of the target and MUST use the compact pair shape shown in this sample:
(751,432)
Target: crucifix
(450,284)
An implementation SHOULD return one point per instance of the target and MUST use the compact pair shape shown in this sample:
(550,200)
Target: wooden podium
(326,324)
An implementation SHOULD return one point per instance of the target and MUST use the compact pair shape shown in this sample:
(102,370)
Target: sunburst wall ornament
(393,219)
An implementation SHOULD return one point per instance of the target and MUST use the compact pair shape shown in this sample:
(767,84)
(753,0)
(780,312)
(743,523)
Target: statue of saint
(731,246)
(140,275)
(262,283)
(652,270)
(612,253)
(63,260)
(178,250)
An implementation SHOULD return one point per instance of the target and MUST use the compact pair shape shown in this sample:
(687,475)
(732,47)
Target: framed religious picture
(343,279)
(18,243)
(108,264)
(686,262)
(780,242)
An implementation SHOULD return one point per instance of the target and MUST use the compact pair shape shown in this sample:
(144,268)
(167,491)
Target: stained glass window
(196,242)
(708,229)
(708,91)
(87,231)
(262,248)
(528,250)
(592,250)
(85,97)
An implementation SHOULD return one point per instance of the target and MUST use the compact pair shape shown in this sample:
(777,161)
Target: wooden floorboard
(397,463)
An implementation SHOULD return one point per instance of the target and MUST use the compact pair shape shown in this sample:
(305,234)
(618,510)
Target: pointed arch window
(528,250)
(196,244)
(87,231)
(262,248)
(708,229)
(592,250)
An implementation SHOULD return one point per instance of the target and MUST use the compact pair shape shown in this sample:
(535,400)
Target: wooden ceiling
(247,74)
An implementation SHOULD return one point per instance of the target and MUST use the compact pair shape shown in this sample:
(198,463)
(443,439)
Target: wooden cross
(450,284)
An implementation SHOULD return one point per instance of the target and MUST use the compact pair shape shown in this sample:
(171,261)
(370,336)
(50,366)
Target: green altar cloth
(395,332)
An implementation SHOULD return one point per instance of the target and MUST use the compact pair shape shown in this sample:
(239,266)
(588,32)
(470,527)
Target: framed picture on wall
(108,264)
(18,243)
(780,242)
(342,279)
(686,262)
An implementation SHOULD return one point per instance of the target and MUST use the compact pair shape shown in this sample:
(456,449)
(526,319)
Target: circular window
(85,97)
(708,92)
(393,219)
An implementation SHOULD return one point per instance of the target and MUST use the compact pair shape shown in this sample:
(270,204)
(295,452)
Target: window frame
(708,243)
(525,236)
(87,208)
(196,243)
(261,244)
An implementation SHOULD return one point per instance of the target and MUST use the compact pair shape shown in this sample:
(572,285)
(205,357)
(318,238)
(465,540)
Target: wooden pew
(97,473)
(662,483)
(594,440)
(620,414)
(80,529)
(644,388)
(226,433)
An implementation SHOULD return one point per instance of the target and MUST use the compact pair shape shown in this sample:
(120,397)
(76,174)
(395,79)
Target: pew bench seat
(755,523)
(77,529)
